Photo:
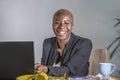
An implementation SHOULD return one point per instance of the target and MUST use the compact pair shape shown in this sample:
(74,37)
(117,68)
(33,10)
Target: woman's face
(62,26)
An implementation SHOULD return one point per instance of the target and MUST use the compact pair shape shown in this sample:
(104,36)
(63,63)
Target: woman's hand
(41,68)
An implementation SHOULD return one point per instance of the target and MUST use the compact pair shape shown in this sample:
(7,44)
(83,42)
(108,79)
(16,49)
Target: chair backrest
(97,56)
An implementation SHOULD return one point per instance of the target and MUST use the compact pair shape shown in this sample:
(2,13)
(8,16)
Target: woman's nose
(61,25)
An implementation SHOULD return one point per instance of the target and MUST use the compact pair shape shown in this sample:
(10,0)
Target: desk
(98,78)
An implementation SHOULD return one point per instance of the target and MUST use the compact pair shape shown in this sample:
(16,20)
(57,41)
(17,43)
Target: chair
(97,56)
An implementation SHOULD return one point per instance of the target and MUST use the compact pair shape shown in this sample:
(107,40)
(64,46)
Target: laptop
(16,58)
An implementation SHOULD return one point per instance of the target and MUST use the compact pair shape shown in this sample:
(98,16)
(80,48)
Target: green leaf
(118,38)
(113,52)
(117,22)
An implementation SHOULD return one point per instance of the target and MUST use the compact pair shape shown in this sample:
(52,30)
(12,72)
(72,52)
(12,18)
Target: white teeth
(61,32)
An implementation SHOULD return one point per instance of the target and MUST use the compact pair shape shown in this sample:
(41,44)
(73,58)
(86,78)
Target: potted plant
(117,40)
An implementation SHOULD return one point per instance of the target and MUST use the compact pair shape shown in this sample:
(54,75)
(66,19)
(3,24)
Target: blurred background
(31,20)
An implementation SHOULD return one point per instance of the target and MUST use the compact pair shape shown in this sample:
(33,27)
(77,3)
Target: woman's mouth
(61,33)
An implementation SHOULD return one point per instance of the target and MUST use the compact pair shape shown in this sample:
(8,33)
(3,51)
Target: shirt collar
(70,40)
(68,43)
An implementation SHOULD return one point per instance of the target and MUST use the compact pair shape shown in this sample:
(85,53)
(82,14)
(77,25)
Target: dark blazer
(75,57)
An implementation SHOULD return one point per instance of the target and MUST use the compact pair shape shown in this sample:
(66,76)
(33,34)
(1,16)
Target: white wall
(31,20)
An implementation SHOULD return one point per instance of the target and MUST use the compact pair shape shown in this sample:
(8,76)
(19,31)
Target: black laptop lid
(16,58)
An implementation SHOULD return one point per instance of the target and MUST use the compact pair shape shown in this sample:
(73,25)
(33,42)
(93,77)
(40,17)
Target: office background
(31,20)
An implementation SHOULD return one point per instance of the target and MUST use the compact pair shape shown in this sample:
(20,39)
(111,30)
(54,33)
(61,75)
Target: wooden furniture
(97,56)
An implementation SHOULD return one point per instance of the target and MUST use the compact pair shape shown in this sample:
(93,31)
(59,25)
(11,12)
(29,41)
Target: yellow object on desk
(24,77)
(40,76)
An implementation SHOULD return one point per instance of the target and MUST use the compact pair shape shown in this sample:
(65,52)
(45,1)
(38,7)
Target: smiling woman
(66,52)
(62,26)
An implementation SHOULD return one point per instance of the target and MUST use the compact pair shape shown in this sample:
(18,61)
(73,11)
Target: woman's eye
(67,23)
(57,23)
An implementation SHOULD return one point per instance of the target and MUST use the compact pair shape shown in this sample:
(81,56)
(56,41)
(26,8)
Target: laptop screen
(16,58)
